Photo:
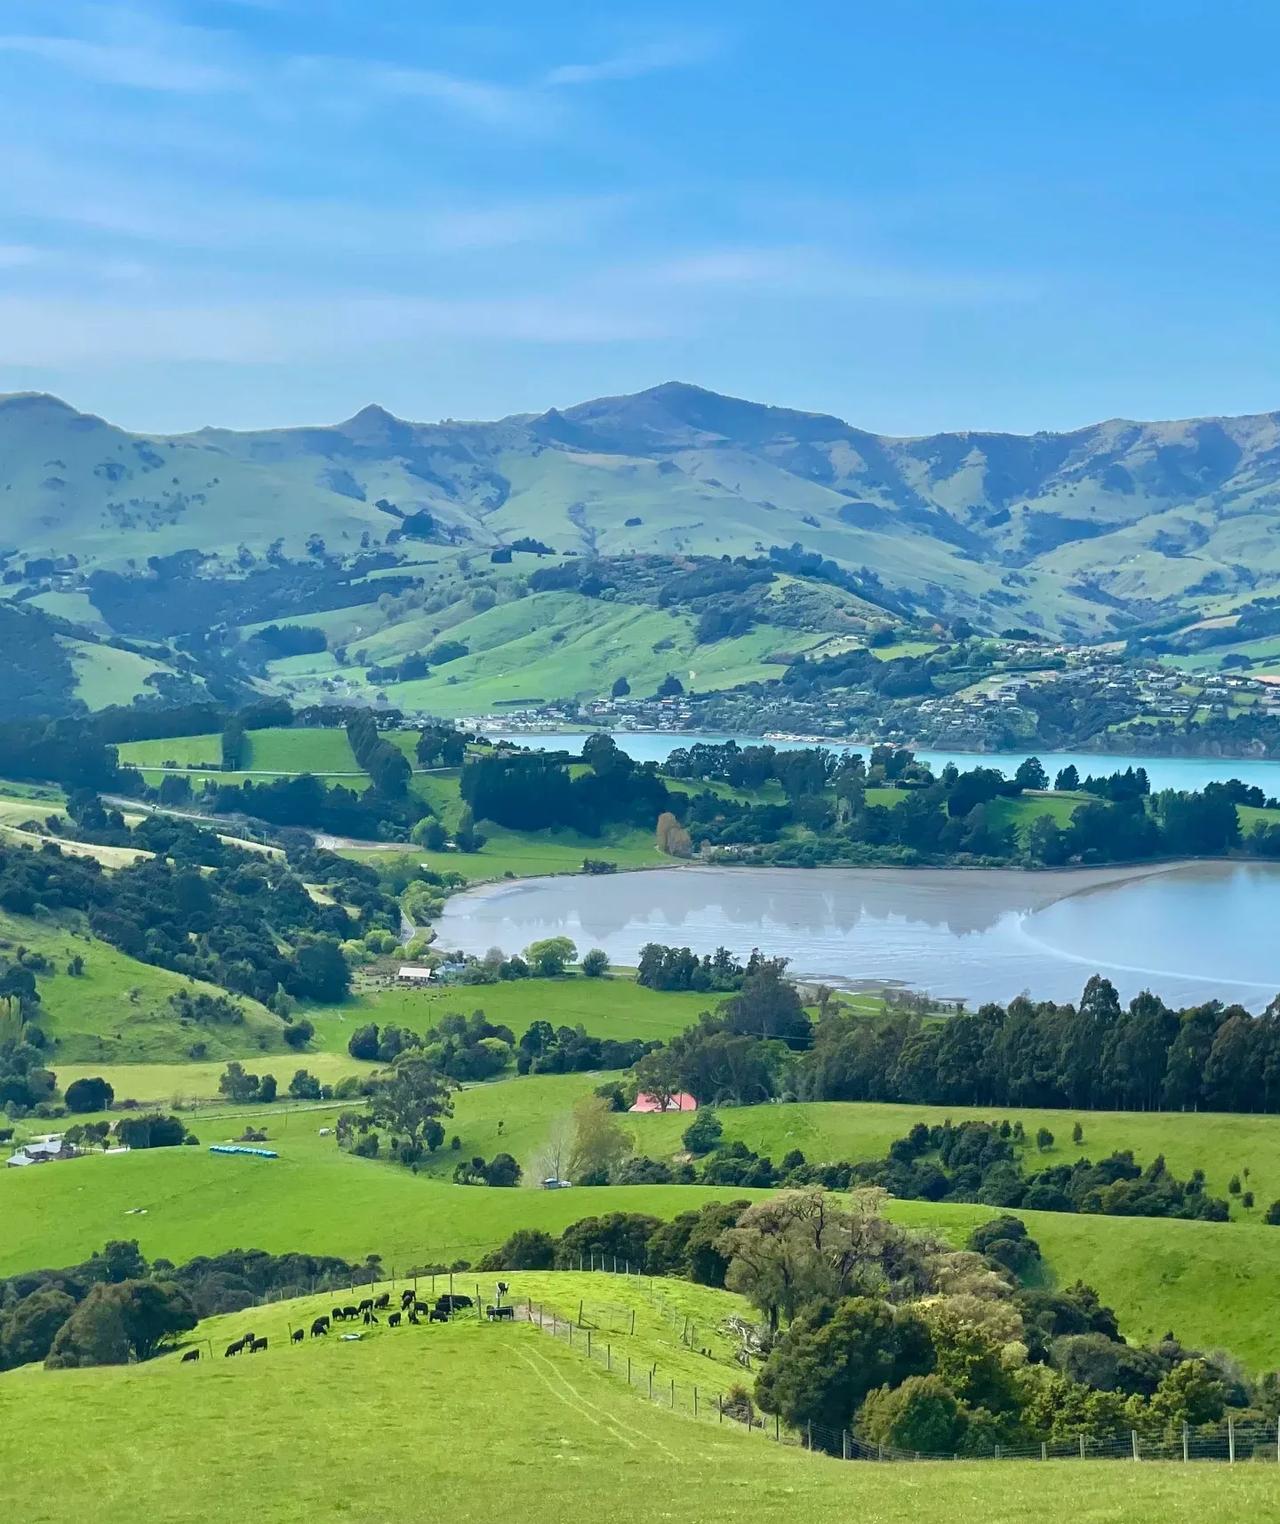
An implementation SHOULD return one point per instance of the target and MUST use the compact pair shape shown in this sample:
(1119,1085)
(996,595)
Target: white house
(413,973)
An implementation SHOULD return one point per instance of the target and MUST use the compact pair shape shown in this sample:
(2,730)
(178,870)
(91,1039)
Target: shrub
(595,964)
(704,1133)
(89,1094)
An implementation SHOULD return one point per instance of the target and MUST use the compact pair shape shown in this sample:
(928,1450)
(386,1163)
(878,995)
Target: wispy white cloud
(124,46)
(819,271)
(325,328)
(666,53)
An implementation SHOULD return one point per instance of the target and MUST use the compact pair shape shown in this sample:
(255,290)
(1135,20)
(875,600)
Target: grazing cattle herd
(411,1310)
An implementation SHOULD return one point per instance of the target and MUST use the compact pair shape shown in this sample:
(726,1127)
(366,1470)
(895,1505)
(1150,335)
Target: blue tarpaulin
(242,1148)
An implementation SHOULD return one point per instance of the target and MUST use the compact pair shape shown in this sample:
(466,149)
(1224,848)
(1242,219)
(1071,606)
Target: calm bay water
(1192,932)
(1164,772)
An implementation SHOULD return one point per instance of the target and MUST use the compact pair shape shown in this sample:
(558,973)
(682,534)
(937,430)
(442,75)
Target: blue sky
(917,214)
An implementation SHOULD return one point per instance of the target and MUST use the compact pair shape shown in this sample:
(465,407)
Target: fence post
(808,1435)
(579,1312)
(1231,1439)
(1082,1447)
(1278,1441)
(588,1344)
(880,1452)
(1133,1438)
(1044,1451)
(997,1454)
(844,1444)
(777,1427)
(695,1402)
(570,1335)
(615,1264)
(1186,1447)
(651,1381)
(673,1393)
(633,1322)
(720,1410)
(628,1370)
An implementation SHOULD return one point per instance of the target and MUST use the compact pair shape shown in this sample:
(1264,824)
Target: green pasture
(118,1009)
(471,1422)
(1221,1143)
(1211,1282)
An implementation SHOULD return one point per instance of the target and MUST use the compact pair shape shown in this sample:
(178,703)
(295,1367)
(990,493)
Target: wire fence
(604,1336)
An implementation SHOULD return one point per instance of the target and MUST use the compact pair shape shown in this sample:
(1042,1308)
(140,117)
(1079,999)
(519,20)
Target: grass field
(1212,1283)
(118,1009)
(281,750)
(615,1006)
(471,1422)
(1222,1144)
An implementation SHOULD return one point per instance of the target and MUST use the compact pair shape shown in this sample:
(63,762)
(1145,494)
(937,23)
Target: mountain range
(1081,534)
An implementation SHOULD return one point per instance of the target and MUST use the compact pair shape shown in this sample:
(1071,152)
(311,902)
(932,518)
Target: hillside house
(414,974)
(680,1101)
(41,1151)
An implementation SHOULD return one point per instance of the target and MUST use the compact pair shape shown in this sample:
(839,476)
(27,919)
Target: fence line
(1231,1441)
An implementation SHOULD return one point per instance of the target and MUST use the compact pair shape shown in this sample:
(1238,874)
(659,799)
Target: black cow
(407,1297)
(496,1313)
(503,1288)
(319,1327)
(232,1349)
(256,1345)
(438,1315)
(420,1308)
(453,1303)
(350,1312)
(366,1305)
(383,1301)
(338,1314)
(394,1320)
(191,1354)
(369,1316)
(297,1336)
(414,1318)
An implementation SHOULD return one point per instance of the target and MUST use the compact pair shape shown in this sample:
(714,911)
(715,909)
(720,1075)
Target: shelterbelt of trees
(1097,1054)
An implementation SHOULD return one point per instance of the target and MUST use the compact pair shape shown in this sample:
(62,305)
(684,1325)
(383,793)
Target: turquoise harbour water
(1191,932)
(1164,772)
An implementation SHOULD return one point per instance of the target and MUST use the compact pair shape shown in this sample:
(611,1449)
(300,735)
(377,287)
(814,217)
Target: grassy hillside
(1221,1144)
(509,1419)
(1210,1282)
(118,1009)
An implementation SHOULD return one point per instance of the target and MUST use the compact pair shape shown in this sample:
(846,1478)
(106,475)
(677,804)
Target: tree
(1068,779)
(1077,1133)
(304,1086)
(89,1094)
(703,1133)
(266,1088)
(28,1331)
(621,687)
(526,1249)
(823,1367)
(465,837)
(658,1074)
(670,687)
(297,1034)
(921,1415)
(1044,1139)
(599,1143)
(363,1042)
(411,1101)
(673,839)
(238,1085)
(94,1334)
(595,964)
(320,971)
(1031,774)
(806,1246)
(549,957)
(1191,1393)
(768,1005)
(502,1170)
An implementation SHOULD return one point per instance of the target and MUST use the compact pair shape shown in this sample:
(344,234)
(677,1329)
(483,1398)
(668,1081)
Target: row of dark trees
(1097,1054)
(534,791)
(114,1306)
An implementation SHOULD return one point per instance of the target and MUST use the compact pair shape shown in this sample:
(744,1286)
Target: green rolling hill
(1069,532)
